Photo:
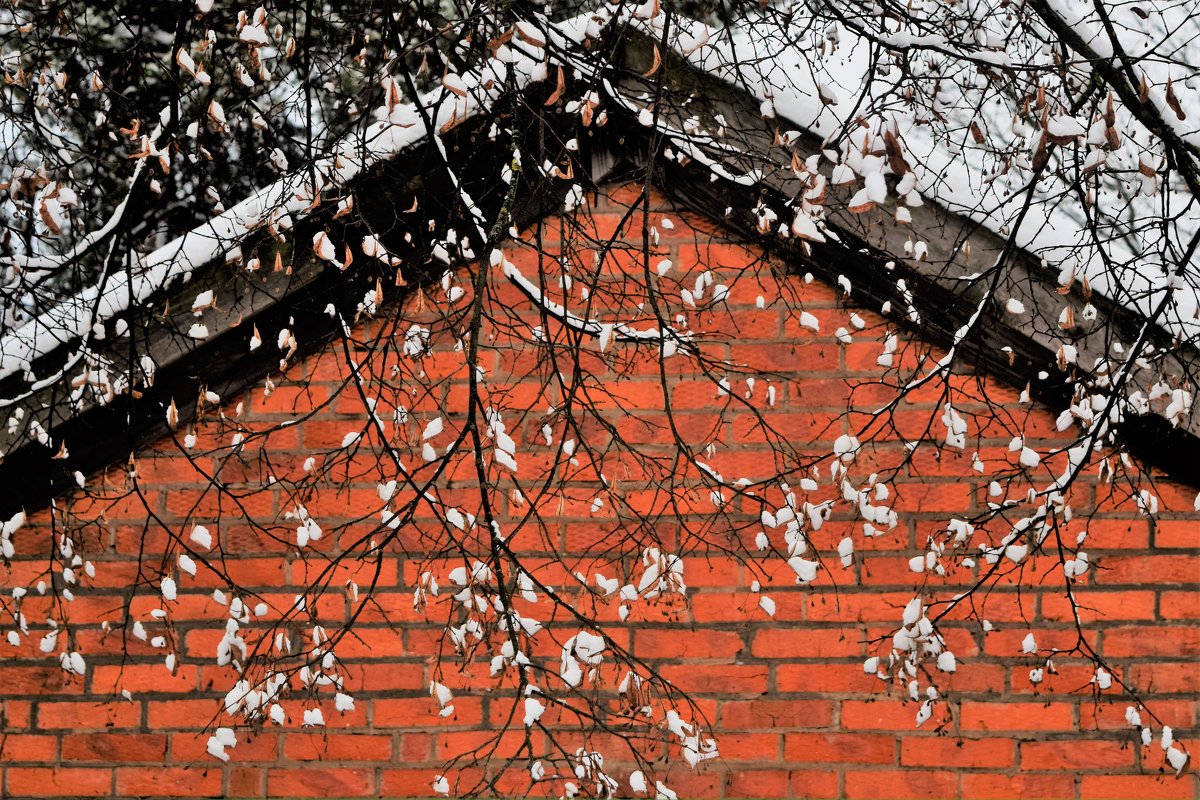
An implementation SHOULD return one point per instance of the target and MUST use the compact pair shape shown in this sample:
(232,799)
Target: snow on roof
(780,62)
(775,61)
(398,126)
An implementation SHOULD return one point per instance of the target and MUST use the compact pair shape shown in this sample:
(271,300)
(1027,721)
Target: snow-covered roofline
(785,84)
(278,206)
(746,162)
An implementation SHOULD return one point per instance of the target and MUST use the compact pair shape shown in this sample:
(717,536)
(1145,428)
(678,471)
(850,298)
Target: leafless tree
(142,143)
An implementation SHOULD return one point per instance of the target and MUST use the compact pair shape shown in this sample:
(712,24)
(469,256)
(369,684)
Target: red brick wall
(792,709)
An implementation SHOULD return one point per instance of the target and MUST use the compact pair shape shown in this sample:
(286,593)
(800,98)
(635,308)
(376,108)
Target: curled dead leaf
(48,218)
(185,62)
(559,87)
(453,83)
(1173,101)
(502,39)
(655,65)
(816,194)
(528,33)
(1041,157)
(451,123)
(895,153)
(860,203)
(1065,288)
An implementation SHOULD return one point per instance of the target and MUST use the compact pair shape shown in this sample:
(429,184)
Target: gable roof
(82,418)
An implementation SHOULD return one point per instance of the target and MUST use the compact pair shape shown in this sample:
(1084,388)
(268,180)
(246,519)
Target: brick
(15,715)
(181,714)
(168,781)
(337,748)
(1156,569)
(1076,755)
(406,782)
(810,783)
(900,784)
(1166,678)
(952,752)
(775,714)
(839,748)
(1180,714)
(740,746)
(82,715)
(147,677)
(422,712)
(807,644)
(1179,605)
(324,782)
(1150,787)
(675,643)
(37,680)
(1177,641)
(110,747)
(990,786)
(1182,533)
(760,783)
(1118,534)
(885,714)
(836,678)
(251,748)
(247,782)
(727,679)
(1096,606)
(58,781)
(1017,716)
(16,749)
